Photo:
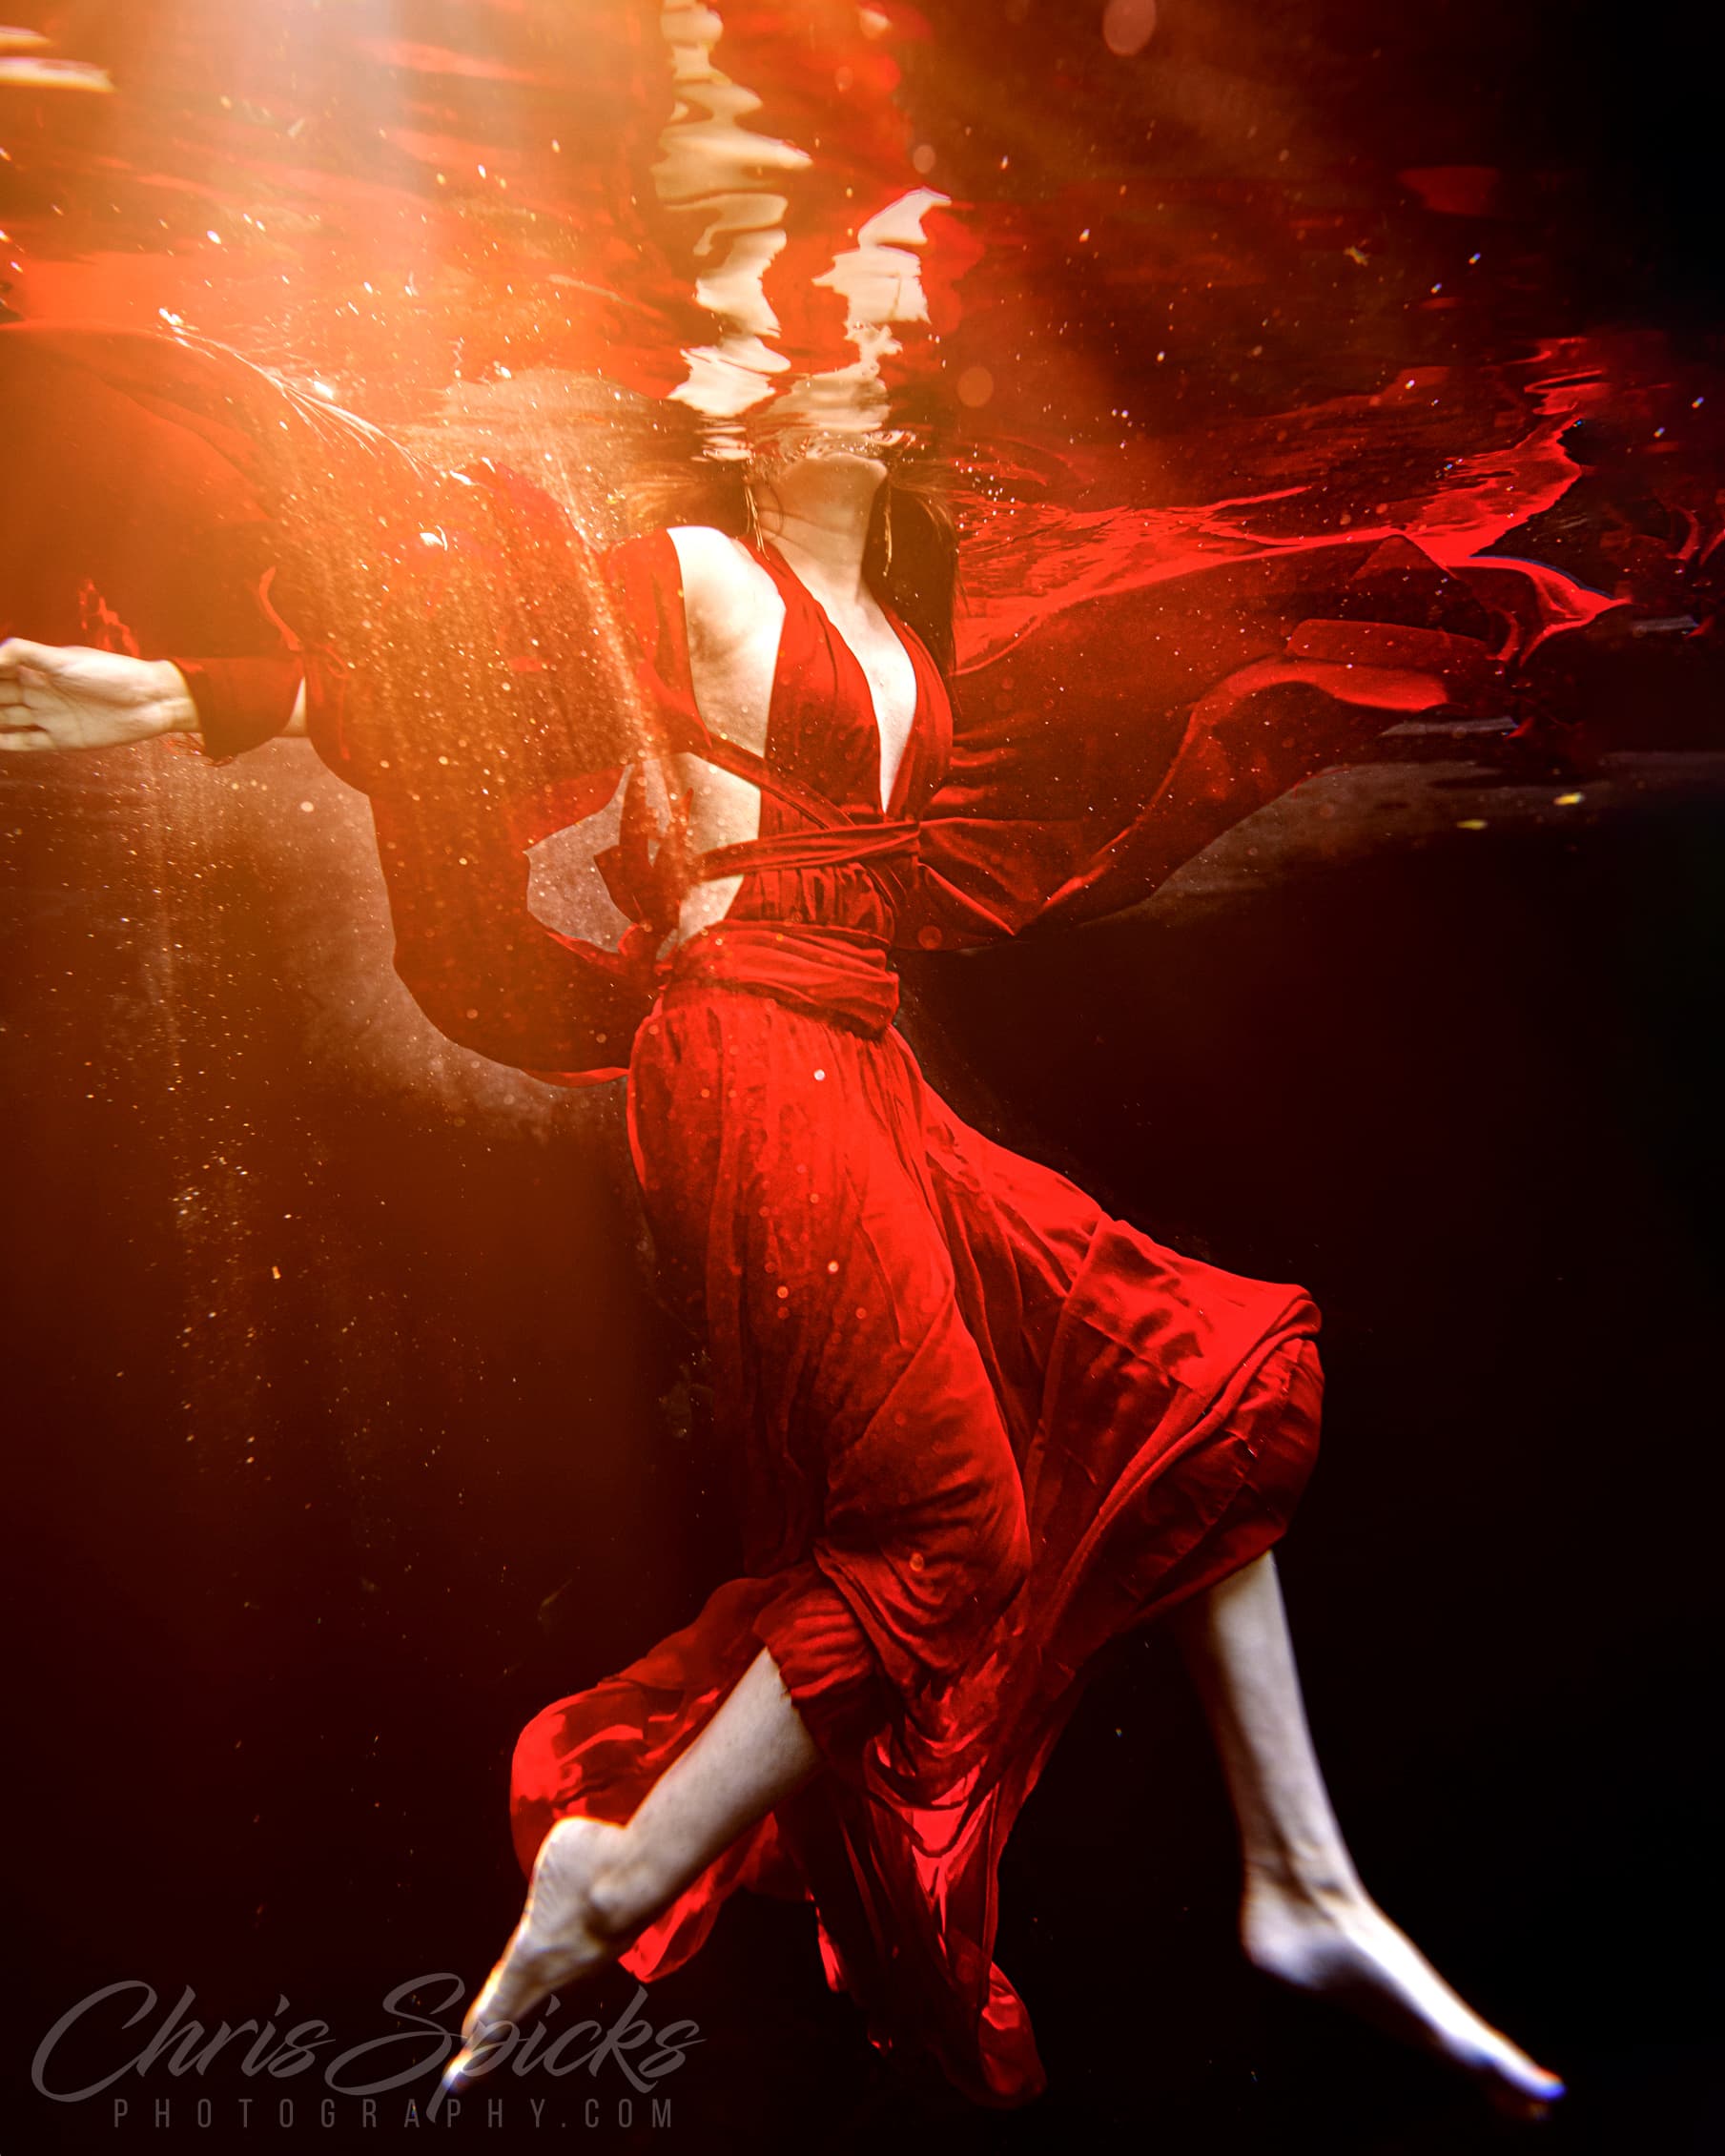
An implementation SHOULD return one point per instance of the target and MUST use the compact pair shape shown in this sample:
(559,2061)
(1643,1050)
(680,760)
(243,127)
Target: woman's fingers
(32,713)
(29,701)
(19,652)
(24,689)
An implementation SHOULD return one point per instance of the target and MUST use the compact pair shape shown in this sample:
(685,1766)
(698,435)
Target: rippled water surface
(1164,285)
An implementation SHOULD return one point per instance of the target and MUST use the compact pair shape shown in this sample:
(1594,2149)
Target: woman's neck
(816,514)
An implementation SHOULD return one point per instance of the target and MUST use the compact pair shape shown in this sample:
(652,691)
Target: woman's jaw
(827,496)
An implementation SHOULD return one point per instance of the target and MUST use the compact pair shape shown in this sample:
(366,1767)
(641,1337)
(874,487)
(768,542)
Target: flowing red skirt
(979,1428)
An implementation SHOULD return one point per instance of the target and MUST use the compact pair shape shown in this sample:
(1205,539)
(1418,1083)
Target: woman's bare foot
(1335,1941)
(573,1923)
(596,1887)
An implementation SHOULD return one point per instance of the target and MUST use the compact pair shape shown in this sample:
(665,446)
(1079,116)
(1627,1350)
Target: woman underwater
(979,1428)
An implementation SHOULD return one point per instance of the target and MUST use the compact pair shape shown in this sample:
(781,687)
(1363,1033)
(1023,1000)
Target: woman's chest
(890,681)
(836,710)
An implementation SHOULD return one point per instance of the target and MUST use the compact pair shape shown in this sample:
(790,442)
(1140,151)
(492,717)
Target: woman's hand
(71,696)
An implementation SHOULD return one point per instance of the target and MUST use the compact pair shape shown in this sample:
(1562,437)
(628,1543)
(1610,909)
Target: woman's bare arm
(65,696)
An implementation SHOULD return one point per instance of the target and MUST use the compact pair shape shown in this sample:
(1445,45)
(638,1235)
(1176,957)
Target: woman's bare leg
(595,1886)
(1305,1918)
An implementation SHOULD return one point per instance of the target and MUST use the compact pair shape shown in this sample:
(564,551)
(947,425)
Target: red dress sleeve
(242,703)
(472,665)
(1120,730)
(533,696)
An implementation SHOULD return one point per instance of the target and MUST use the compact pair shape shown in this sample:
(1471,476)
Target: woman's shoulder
(722,580)
(704,551)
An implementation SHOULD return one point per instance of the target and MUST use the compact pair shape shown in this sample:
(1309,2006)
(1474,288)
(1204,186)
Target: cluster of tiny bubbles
(578,436)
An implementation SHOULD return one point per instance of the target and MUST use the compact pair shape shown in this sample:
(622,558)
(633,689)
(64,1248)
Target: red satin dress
(978,1427)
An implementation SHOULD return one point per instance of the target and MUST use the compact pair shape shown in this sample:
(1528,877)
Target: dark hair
(917,574)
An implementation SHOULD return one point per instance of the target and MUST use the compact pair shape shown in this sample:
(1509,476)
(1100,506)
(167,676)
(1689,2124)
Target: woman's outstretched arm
(67,696)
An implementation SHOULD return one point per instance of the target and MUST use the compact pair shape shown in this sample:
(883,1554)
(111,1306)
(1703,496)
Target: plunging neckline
(886,805)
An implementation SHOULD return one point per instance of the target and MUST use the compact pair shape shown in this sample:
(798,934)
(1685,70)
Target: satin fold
(839,974)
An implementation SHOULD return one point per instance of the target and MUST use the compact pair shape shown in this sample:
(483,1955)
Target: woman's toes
(558,1939)
(1516,2104)
(1518,2087)
(513,1987)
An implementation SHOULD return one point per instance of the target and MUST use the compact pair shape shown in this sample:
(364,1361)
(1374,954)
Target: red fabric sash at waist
(834,973)
(835,840)
(846,843)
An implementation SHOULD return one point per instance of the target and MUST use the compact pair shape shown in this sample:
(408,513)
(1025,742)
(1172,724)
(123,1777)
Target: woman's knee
(1280,1417)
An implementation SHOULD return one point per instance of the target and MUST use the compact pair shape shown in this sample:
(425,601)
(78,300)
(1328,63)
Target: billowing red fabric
(977,1426)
